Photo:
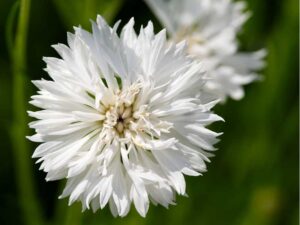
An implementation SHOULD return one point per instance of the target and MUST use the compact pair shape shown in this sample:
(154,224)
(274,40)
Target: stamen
(119,115)
(127,113)
(120,127)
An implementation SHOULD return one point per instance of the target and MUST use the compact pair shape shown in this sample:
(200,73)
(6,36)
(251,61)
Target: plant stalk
(23,169)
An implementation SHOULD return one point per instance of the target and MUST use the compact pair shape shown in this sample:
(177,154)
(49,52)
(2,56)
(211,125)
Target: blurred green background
(253,180)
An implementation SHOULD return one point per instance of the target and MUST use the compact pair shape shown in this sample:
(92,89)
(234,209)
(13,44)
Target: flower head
(210,28)
(121,118)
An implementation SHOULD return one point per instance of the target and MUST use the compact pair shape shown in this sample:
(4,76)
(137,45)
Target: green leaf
(75,12)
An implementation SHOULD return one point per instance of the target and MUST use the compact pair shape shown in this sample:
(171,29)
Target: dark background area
(253,180)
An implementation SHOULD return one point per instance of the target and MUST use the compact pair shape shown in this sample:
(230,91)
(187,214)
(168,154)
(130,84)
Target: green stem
(24,176)
(67,215)
(74,214)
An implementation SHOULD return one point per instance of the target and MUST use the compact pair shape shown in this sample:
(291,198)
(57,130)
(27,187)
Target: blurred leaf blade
(10,27)
(80,12)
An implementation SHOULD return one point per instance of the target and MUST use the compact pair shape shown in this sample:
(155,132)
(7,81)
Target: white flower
(210,28)
(121,120)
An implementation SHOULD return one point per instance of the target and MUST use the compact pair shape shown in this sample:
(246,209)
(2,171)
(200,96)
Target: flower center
(119,113)
(192,38)
(127,117)
(119,117)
